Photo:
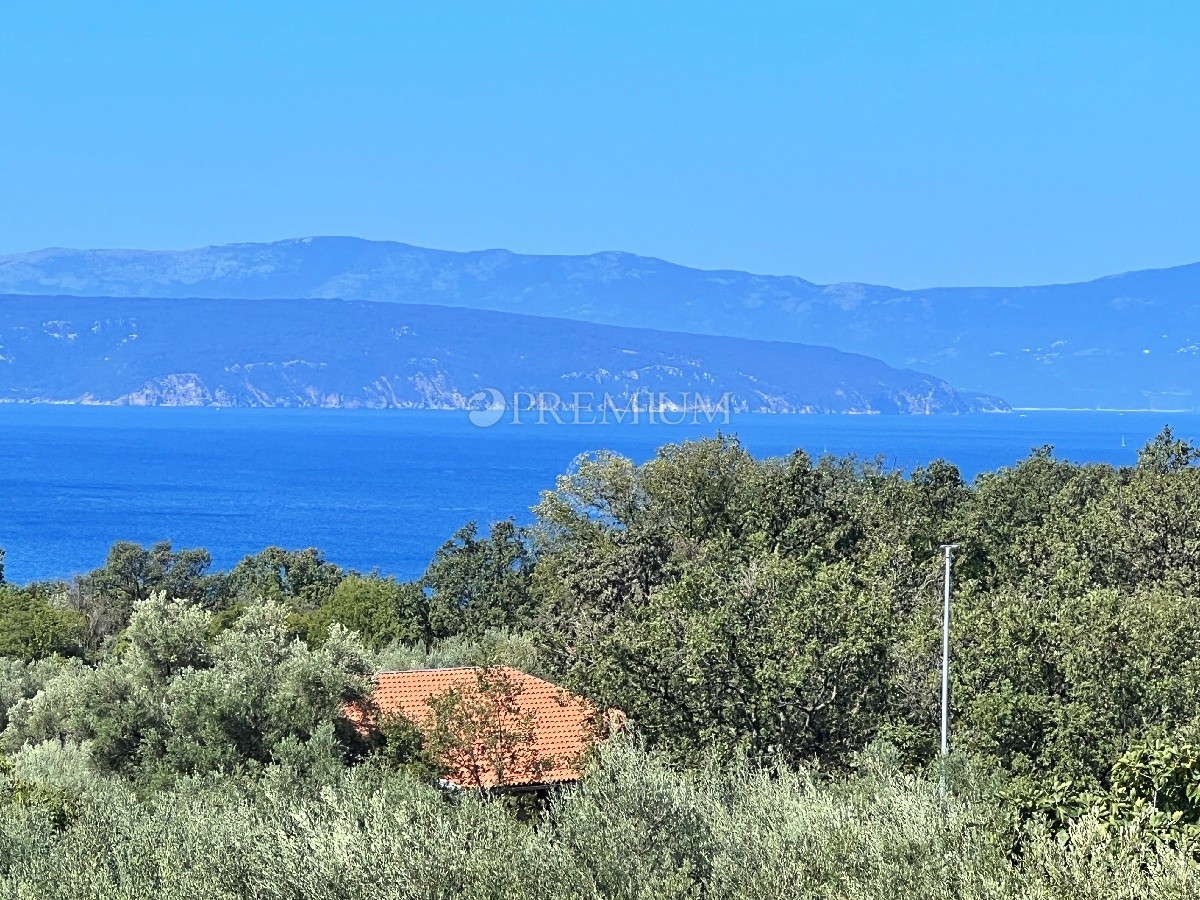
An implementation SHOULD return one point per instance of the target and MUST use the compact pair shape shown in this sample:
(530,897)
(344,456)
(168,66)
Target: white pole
(949,551)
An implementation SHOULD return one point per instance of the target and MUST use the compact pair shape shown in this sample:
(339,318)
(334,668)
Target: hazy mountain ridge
(360,354)
(1126,340)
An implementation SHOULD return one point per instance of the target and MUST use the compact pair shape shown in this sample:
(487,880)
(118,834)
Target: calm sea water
(384,488)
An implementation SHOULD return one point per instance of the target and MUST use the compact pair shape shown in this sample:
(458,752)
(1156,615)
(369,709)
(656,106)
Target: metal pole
(949,551)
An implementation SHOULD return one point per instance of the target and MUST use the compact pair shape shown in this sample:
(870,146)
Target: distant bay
(377,488)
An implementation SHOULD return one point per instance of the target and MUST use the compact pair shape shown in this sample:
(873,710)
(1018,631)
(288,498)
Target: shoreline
(1100,409)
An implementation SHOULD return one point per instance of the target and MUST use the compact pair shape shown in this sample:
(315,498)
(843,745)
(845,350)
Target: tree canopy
(774,614)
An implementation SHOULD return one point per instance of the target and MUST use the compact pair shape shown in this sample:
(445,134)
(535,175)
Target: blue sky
(904,143)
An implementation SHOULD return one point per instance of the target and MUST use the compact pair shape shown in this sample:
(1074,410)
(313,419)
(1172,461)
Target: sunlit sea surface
(383,489)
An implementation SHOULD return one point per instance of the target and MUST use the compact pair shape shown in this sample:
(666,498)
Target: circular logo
(490,414)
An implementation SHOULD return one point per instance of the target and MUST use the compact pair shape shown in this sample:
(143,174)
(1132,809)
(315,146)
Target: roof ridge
(453,669)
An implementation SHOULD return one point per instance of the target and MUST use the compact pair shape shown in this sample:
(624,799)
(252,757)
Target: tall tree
(479,583)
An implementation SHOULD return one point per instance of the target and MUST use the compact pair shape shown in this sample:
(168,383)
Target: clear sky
(907,143)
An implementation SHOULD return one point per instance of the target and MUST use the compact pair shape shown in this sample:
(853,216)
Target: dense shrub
(635,829)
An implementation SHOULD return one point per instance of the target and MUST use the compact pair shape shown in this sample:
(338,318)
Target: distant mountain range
(153,351)
(1128,340)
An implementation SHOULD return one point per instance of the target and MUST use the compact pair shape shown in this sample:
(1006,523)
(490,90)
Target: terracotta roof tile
(560,726)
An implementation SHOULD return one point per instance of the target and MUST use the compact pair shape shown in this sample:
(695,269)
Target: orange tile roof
(526,731)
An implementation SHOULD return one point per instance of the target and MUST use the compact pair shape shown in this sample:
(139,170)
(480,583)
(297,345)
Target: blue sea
(383,489)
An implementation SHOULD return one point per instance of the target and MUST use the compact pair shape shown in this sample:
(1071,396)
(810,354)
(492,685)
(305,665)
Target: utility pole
(948,549)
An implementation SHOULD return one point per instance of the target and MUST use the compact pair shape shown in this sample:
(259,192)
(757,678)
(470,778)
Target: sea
(383,489)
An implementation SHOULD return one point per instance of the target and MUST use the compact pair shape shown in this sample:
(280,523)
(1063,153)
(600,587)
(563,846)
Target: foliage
(480,734)
(105,598)
(1153,793)
(177,701)
(636,828)
(478,584)
(791,607)
(381,611)
(717,600)
(300,579)
(402,747)
(32,627)
(1167,453)
(493,647)
(20,680)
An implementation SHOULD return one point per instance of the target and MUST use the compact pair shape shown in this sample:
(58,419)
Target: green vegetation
(636,829)
(771,629)
(32,627)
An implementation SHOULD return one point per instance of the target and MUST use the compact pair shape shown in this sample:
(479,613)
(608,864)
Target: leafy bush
(32,627)
(176,700)
(636,828)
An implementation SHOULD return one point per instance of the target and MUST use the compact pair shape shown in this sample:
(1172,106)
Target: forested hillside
(771,629)
(273,353)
